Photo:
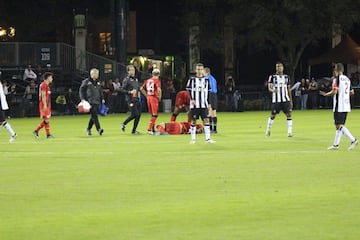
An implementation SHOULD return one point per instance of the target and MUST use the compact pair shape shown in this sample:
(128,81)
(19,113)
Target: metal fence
(61,56)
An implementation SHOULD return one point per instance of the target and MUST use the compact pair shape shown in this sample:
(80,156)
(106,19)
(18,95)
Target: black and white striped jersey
(198,88)
(341,100)
(280,84)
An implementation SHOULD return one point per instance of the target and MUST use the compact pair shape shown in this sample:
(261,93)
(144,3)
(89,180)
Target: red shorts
(153,105)
(45,114)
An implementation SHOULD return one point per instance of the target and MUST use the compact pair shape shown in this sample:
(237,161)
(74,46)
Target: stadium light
(10,32)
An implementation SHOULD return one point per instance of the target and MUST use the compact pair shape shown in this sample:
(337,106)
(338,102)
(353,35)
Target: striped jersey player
(341,92)
(279,86)
(198,88)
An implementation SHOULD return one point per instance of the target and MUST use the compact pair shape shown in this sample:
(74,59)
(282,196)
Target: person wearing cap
(152,91)
(3,107)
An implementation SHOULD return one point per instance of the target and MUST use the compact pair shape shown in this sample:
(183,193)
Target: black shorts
(340,117)
(199,112)
(2,115)
(277,107)
(213,101)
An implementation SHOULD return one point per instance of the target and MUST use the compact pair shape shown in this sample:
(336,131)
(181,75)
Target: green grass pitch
(120,186)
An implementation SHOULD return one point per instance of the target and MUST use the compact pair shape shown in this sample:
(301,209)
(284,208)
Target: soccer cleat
(136,133)
(122,127)
(267,133)
(36,134)
(333,147)
(210,141)
(101,131)
(192,142)
(290,135)
(50,136)
(88,132)
(12,138)
(353,145)
(150,132)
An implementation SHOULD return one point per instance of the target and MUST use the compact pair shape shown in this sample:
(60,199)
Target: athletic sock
(215,123)
(207,131)
(173,118)
(8,128)
(47,128)
(40,126)
(270,123)
(289,124)
(338,135)
(347,133)
(193,132)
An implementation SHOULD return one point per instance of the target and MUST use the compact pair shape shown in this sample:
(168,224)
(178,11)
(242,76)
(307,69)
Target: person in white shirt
(341,91)
(29,74)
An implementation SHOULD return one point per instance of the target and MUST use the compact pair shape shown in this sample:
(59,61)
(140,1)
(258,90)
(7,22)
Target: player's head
(338,68)
(279,68)
(156,72)
(199,70)
(94,73)
(47,77)
(207,70)
(130,70)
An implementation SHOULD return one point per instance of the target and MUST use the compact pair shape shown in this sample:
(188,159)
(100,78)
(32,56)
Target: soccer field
(123,186)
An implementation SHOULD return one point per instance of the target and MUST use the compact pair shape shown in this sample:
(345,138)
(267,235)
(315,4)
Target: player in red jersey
(152,91)
(45,105)
(182,101)
(177,128)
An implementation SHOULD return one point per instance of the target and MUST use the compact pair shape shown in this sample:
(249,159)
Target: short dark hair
(46,75)
(199,65)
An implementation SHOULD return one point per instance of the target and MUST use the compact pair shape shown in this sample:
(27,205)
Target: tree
(288,26)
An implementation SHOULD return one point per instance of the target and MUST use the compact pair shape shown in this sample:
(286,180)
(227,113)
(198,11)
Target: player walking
(341,91)
(45,105)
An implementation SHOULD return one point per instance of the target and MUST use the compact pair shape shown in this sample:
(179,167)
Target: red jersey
(45,113)
(173,128)
(44,87)
(182,99)
(152,86)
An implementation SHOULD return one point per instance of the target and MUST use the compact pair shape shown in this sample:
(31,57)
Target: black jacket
(91,91)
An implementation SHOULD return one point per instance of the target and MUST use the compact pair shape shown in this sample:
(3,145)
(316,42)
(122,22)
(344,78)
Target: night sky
(158,28)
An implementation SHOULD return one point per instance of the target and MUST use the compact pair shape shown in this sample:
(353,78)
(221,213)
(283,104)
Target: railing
(60,55)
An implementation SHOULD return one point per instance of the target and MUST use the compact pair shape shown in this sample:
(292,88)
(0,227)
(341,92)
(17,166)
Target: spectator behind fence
(229,90)
(30,98)
(313,93)
(304,88)
(29,74)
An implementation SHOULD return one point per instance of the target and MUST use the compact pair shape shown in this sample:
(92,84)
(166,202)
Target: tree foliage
(288,26)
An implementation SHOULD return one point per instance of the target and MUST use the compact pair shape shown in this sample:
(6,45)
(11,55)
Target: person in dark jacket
(130,86)
(90,90)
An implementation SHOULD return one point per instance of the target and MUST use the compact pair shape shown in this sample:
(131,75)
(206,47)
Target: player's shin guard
(207,131)
(41,125)
(215,123)
(347,133)
(8,128)
(152,123)
(47,128)
(270,123)
(193,132)
(338,135)
(289,125)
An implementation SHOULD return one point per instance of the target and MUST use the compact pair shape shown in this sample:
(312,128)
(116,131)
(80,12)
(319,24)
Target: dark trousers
(94,111)
(135,108)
